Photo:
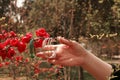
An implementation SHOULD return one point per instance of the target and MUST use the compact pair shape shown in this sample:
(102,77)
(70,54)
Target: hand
(68,53)
(71,53)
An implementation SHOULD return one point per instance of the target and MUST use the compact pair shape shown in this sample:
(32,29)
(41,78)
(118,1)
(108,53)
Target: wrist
(86,58)
(96,67)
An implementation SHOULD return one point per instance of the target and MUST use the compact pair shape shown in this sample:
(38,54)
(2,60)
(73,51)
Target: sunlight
(20,3)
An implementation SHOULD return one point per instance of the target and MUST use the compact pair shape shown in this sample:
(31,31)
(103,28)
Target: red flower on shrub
(3,54)
(14,42)
(7,63)
(38,43)
(5,35)
(21,46)
(10,53)
(19,58)
(1,64)
(7,42)
(3,31)
(27,38)
(1,36)
(12,34)
(27,60)
(36,70)
(47,35)
(42,33)
(29,35)
(1,46)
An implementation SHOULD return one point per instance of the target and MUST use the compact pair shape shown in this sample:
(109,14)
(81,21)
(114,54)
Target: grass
(74,76)
(87,76)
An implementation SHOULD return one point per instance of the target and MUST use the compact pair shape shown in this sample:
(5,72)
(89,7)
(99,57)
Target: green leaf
(31,48)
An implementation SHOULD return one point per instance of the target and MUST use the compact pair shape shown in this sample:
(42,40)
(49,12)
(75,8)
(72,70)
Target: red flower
(38,43)
(42,33)
(1,36)
(19,58)
(29,35)
(5,35)
(21,47)
(37,71)
(7,63)
(12,34)
(7,42)
(14,42)
(3,54)
(1,46)
(10,53)
(27,60)
(47,35)
(1,64)
(27,38)
(3,31)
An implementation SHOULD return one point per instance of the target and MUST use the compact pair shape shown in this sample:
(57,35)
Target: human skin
(71,53)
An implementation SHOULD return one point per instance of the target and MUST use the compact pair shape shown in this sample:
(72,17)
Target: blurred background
(93,23)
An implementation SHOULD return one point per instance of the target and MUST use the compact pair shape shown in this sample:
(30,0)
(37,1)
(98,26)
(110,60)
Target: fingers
(42,55)
(61,62)
(47,54)
(49,47)
(53,61)
(64,41)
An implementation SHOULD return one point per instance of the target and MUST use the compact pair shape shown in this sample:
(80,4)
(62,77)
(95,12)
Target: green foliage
(31,48)
(68,17)
(4,7)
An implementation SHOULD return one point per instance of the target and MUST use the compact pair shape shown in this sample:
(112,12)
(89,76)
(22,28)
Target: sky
(20,3)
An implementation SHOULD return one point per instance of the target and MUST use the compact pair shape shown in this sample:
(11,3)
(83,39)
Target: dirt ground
(24,78)
(9,78)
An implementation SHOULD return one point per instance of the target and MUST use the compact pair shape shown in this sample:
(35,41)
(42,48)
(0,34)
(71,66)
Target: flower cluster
(19,51)
(11,43)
